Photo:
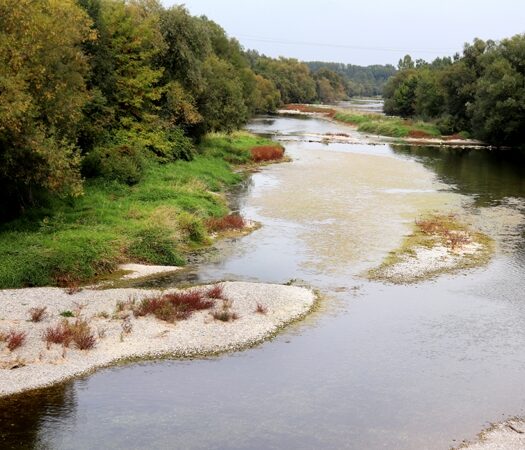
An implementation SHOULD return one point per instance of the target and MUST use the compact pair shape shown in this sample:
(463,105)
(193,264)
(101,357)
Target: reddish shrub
(59,334)
(65,333)
(215,292)
(36,314)
(174,306)
(15,339)
(82,335)
(230,222)
(418,134)
(261,309)
(267,153)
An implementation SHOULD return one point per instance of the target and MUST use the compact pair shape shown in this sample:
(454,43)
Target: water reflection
(489,176)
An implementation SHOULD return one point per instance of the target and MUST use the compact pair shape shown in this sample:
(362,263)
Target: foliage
(42,92)
(122,163)
(481,92)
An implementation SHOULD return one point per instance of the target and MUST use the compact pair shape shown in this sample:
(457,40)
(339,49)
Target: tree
(498,108)
(42,93)
(222,102)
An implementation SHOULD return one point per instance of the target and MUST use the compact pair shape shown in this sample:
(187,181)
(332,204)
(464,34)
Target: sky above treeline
(361,32)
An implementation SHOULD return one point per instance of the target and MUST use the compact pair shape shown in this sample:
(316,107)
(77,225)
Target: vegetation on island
(481,92)
(437,244)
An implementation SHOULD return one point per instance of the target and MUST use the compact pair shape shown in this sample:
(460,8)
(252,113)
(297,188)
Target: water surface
(379,366)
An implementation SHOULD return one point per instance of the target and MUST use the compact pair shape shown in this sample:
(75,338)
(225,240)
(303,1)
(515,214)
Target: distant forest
(367,81)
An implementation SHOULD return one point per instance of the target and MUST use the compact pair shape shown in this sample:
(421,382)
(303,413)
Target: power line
(350,47)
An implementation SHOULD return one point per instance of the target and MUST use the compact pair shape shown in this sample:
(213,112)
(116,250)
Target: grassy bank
(379,124)
(389,126)
(156,221)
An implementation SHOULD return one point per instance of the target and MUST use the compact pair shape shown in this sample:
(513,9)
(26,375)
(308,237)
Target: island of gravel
(235,316)
(508,435)
(438,244)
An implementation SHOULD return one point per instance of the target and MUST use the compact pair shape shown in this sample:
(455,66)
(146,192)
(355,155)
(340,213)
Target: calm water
(379,366)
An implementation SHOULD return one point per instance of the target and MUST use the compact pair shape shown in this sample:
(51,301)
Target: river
(419,366)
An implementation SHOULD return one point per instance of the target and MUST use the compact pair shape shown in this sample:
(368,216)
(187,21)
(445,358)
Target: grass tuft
(215,292)
(65,333)
(15,339)
(260,309)
(37,314)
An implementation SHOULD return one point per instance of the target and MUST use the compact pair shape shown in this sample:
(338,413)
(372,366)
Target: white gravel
(33,365)
(143,270)
(509,435)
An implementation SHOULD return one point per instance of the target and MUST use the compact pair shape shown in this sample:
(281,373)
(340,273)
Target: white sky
(361,31)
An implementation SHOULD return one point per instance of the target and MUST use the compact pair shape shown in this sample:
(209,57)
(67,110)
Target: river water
(378,366)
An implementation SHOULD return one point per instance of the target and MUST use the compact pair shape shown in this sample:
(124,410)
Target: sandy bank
(509,435)
(35,365)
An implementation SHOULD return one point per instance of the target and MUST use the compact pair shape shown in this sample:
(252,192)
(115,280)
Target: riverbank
(238,315)
(158,221)
(388,129)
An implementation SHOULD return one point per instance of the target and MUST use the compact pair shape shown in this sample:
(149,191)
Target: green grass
(388,126)
(156,221)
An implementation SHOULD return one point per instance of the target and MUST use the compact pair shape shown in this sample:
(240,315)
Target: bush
(174,306)
(193,227)
(123,163)
(154,246)
(170,145)
(230,222)
(267,153)
(78,332)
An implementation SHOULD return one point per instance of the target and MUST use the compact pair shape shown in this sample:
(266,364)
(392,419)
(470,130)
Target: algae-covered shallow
(423,365)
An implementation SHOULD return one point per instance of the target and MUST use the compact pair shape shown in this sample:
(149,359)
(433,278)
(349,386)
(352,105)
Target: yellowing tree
(42,92)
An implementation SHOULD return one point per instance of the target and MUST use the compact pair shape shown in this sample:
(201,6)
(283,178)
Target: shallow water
(379,366)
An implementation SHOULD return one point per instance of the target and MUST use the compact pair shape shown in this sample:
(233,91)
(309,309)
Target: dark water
(379,366)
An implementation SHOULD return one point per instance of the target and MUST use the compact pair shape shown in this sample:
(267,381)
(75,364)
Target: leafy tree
(498,109)
(222,102)
(42,93)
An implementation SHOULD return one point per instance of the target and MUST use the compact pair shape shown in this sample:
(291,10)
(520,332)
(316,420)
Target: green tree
(42,93)
(498,109)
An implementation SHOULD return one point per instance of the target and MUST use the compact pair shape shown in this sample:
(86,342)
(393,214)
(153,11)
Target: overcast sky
(361,31)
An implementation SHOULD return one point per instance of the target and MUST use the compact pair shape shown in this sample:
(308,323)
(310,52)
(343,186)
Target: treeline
(99,88)
(365,81)
(481,91)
